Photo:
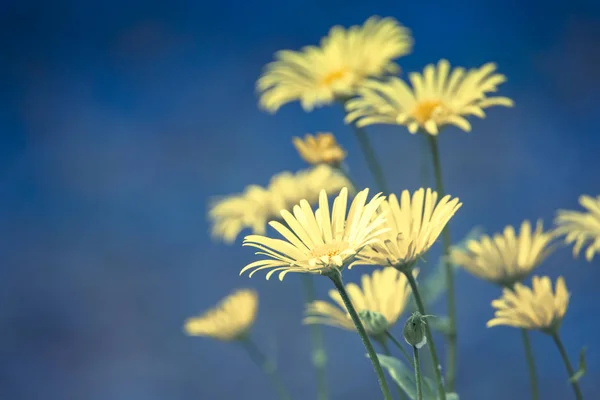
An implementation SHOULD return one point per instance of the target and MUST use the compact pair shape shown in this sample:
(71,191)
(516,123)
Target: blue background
(121,119)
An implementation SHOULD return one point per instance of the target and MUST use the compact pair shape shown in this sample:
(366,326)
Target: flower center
(425,110)
(334,76)
(329,255)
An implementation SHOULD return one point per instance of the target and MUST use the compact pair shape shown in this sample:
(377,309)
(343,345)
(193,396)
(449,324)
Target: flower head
(319,149)
(258,205)
(319,242)
(414,225)
(385,292)
(414,331)
(318,75)
(581,228)
(539,308)
(437,98)
(229,320)
(508,257)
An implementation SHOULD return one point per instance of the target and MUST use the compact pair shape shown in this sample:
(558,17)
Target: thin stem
(399,345)
(565,357)
(530,364)
(319,357)
(451,335)
(371,158)
(267,366)
(336,278)
(418,373)
(434,357)
(386,351)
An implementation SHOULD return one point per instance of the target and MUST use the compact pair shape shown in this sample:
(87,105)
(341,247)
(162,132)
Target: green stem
(371,158)
(399,346)
(530,364)
(451,335)
(418,373)
(336,278)
(386,351)
(565,357)
(267,366)
(434,357)
(319,356)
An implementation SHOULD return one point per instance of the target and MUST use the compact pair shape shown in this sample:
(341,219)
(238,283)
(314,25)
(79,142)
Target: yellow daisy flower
(318,75)
(414,225)
(539,308)
(319,242)
(385,292)
(581,228)
(230,320)
(320,148)
(257,205)
(508,257)
(438,97)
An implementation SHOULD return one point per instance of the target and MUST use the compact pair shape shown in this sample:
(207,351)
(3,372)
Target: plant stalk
(565,357)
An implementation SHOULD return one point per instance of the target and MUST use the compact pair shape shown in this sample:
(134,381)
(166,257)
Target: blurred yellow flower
(319,242)
(581,228)
(414,225)
(539,308)
(318,75)
(437,98)
(257,205)
(385,292)
(321,148)
(229,320)
(505,258)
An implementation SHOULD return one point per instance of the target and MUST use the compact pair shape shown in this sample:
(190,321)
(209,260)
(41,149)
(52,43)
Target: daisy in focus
(230,320)
(385,292)
(322,148)
(537,308)
(414,224)
(319,242)
(318,75)
(506,258)
(438,97)
(581,227)
(257,205)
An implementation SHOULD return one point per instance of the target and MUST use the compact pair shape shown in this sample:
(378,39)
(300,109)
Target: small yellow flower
(437,98)
(318,75)
(319,242)
(257,205)
(414,225)
(229,320)
(319,149)
(506,258)
(581,228)
(539,308)
(385,292)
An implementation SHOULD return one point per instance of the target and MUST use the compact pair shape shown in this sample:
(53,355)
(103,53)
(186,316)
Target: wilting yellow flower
(257,205)
(505,258)
(437,98)
(581,228)
(229,320)
(319,242)
(319,149)
(318,75)
(385,292)
(539,308)
(414,225)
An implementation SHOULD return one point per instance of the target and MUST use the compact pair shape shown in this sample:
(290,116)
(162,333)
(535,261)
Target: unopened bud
(375,323)
(415,331)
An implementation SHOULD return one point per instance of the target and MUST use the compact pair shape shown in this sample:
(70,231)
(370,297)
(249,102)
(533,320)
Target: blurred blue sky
(120,119)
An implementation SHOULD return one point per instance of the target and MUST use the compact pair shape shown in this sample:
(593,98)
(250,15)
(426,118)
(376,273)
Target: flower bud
(375,323)
(414,330)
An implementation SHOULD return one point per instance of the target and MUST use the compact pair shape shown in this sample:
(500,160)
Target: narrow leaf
(405,378)
(582,366)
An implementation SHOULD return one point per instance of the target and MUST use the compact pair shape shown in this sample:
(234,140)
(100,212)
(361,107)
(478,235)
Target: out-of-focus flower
(437,98)
(319,242)
(318,75)
(257,205)
(539,308)
(230,320)
(581,228)
(414,225)
(384,292)
(321,148)
(505,258)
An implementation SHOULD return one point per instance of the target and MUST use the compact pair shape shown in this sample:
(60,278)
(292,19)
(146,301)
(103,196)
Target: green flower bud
(415,331)
(375,323)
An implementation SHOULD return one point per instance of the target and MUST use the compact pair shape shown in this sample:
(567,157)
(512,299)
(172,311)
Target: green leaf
(404,376)
(582,366)
(452,396)
(440,324)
